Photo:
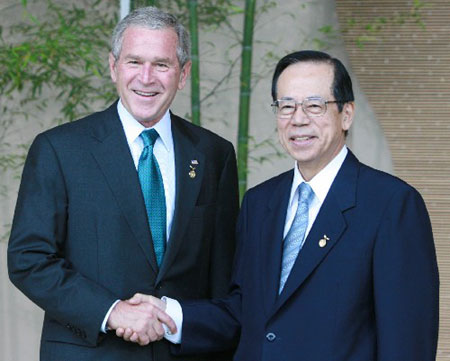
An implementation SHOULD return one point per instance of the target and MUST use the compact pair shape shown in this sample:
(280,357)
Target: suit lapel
(112,153)
(330,222)
(187,188)
(272,239)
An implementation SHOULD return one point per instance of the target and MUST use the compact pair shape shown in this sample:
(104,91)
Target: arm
(207,325)
(210,325)
(215,325)
(406,282)
(37,246)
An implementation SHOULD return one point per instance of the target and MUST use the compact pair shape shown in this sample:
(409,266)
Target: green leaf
(327,29)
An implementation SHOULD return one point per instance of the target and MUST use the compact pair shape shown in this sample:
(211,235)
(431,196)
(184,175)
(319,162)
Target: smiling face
(312,141)
(147,73)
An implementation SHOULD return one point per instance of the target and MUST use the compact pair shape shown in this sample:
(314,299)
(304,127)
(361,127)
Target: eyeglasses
(312,106)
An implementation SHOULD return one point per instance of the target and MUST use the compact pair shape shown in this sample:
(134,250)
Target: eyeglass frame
(275,107)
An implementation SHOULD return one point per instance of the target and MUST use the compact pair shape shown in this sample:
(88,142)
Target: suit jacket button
(271,337)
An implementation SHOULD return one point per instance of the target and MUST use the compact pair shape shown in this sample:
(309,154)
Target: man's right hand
(140,319)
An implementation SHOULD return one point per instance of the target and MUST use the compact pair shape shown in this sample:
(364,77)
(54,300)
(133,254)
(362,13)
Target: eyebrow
(156,60)
(131,56)
(308,97)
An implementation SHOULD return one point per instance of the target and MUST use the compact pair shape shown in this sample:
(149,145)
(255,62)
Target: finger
(152,335)
(127,334)
(157,302)
(135,300)
(159,330)
(144,340)
(165,318)
(134,337)
(120,331)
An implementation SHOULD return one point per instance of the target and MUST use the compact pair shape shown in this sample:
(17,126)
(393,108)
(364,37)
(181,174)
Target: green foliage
(195,58)
(370,31)
(58,59)
(134,4)
(211,13)
(63,51)
(55,58)
(245,94)
(328,36)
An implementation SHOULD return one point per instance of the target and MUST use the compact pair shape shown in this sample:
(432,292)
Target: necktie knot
(149,137)
(305,193)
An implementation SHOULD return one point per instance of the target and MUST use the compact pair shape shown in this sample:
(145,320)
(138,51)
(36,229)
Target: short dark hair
(342,84)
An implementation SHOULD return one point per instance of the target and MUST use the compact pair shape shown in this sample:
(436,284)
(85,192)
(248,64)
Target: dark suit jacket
(371,294)
(80,237)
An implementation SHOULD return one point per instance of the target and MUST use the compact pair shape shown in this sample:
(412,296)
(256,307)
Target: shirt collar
(133,128)
(321,182)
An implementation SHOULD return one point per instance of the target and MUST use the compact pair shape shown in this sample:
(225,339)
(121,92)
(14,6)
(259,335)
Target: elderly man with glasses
(336,260)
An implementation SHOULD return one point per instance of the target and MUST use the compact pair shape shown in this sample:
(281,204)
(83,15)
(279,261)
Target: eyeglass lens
(311,106)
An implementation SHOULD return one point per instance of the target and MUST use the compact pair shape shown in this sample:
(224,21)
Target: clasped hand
(140,319)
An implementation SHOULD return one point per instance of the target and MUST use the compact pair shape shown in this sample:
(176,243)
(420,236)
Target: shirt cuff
(173,309)
(105,320)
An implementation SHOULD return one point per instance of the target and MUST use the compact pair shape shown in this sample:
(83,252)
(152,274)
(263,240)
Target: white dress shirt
(163,150)
(320,184)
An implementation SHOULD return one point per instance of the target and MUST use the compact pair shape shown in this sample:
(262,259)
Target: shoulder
(84,124)
(79,131)
(384,189)
(379,180)
(281,183)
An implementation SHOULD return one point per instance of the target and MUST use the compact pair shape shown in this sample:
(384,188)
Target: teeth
(301,138)
(145,94)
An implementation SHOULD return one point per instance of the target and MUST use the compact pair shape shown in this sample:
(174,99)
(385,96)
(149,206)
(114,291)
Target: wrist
(111,323)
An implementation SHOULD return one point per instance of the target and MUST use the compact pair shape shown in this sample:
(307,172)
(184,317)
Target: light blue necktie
(153,190)
(295,238)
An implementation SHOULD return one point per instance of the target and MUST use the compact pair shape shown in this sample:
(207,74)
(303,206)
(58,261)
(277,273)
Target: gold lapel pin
(323,241)
(193,165)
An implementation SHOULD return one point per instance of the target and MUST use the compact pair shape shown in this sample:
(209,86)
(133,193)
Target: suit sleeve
(406,282)
(36,250)
(215,325)
(223,248)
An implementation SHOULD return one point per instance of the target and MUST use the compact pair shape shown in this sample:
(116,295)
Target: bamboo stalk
(245,95)
(140,3)
(195,70)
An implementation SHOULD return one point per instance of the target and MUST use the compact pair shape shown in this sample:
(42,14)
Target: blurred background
(53,66)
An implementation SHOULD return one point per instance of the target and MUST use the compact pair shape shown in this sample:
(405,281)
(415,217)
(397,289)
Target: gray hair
(152,18)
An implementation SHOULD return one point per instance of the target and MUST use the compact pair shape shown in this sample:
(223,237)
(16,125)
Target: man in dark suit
(84,234)
(335,260)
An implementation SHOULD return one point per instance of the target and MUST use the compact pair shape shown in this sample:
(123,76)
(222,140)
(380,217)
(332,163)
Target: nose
(146,73)
(299,117)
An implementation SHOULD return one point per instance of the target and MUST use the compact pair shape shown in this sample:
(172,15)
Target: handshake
(140,319)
